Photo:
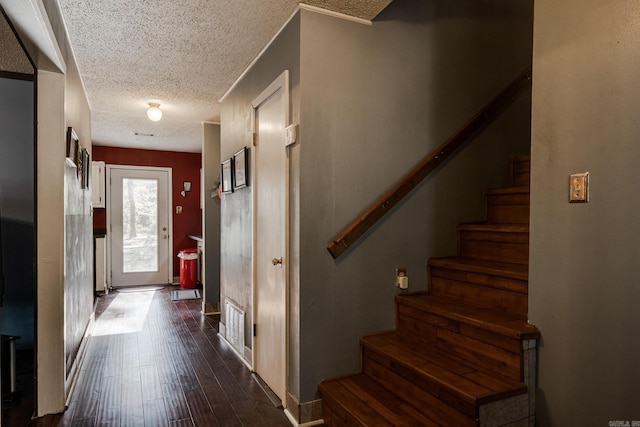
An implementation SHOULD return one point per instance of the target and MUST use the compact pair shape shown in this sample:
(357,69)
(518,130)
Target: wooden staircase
(462,354)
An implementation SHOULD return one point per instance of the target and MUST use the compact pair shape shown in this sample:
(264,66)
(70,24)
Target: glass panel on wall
(140,225)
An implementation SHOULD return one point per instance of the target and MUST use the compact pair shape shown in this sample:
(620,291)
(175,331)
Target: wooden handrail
(360,226)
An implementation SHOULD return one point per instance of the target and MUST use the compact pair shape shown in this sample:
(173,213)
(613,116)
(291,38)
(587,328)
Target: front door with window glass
(139,226)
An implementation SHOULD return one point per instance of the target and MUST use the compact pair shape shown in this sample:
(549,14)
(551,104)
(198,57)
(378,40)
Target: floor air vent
(234,320)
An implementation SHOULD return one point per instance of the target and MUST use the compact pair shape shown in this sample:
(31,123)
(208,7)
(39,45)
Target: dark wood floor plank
(146,351)
(155,413)
(113,364)
(181,423)
(185,371)
(201,411)
(155,362)
(151,387)
(86,422)
(87,395)
(175,402)
(226,415)
(110,401)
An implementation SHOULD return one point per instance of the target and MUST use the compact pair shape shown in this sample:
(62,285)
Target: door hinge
(255,327)
(255,139)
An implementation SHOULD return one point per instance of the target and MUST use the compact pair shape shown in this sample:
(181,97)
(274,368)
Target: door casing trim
(280,83)
(108,212)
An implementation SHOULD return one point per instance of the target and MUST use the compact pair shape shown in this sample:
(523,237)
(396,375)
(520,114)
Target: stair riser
(508,214)
(481,296)
(520,173)
(356,400)
(418,393)
(495,246)
(508,208)
(516,197)
(480,279)
(336,415)
(488,350)
(481,354)
(424,326)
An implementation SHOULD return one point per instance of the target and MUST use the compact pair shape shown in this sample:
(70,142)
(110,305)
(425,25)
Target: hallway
(155,362)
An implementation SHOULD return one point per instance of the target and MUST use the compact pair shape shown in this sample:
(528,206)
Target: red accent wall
(185,167)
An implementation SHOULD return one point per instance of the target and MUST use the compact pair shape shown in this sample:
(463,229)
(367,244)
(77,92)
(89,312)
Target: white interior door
(270,218)
(139,225)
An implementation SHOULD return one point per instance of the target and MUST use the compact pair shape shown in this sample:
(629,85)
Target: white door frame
(280,83)
(169,207)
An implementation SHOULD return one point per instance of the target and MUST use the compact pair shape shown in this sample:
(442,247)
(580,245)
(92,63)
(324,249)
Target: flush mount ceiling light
(154,112)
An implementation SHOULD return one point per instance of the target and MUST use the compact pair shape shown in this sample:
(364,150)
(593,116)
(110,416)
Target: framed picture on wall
(86,172)
(227,176)
(241,169)
(72,147)
(79,164)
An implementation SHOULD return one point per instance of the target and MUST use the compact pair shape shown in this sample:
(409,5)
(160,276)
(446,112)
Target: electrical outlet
(579,187)
(402,281)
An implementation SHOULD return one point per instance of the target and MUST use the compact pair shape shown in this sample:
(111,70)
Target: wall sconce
(154,112)
(186,187)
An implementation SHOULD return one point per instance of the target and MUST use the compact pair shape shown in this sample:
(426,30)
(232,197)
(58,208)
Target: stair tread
(494,227)
(507,190)
(501,323)
(494,268)
(368,402)
(451,375)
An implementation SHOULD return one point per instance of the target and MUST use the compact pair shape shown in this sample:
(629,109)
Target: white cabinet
(98,184)
(101,265)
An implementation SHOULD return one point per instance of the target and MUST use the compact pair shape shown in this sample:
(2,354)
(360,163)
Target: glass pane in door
(139,225)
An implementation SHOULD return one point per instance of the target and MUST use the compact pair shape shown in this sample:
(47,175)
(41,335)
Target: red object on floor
(188,268)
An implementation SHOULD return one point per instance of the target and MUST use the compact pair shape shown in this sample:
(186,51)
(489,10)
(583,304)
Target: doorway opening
(17,233)
(139,221)
(271,222)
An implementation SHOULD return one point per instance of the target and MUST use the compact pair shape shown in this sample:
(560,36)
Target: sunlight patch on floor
(120,318)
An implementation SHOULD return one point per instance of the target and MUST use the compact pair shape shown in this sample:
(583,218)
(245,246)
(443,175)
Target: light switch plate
(579,187)
(291,135)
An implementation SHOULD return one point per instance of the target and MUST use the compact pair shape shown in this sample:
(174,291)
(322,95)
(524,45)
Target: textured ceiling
(13,58)
(183,54)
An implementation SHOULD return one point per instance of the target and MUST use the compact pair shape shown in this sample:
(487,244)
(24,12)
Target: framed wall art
(241,169)
(72,147)
(86,164)
(227,176)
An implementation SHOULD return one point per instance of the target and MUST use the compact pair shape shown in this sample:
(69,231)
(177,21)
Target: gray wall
(17,206)
(371,101)
(583,285)
(211,215)
(236,132)
(375,100)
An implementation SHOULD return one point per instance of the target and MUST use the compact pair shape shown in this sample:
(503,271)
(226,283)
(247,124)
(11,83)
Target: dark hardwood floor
(155,362)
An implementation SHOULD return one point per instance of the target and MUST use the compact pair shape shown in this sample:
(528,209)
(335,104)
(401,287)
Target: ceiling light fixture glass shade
(154,112)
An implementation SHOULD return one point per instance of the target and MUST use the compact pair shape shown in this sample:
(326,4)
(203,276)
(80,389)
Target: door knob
(277,261)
